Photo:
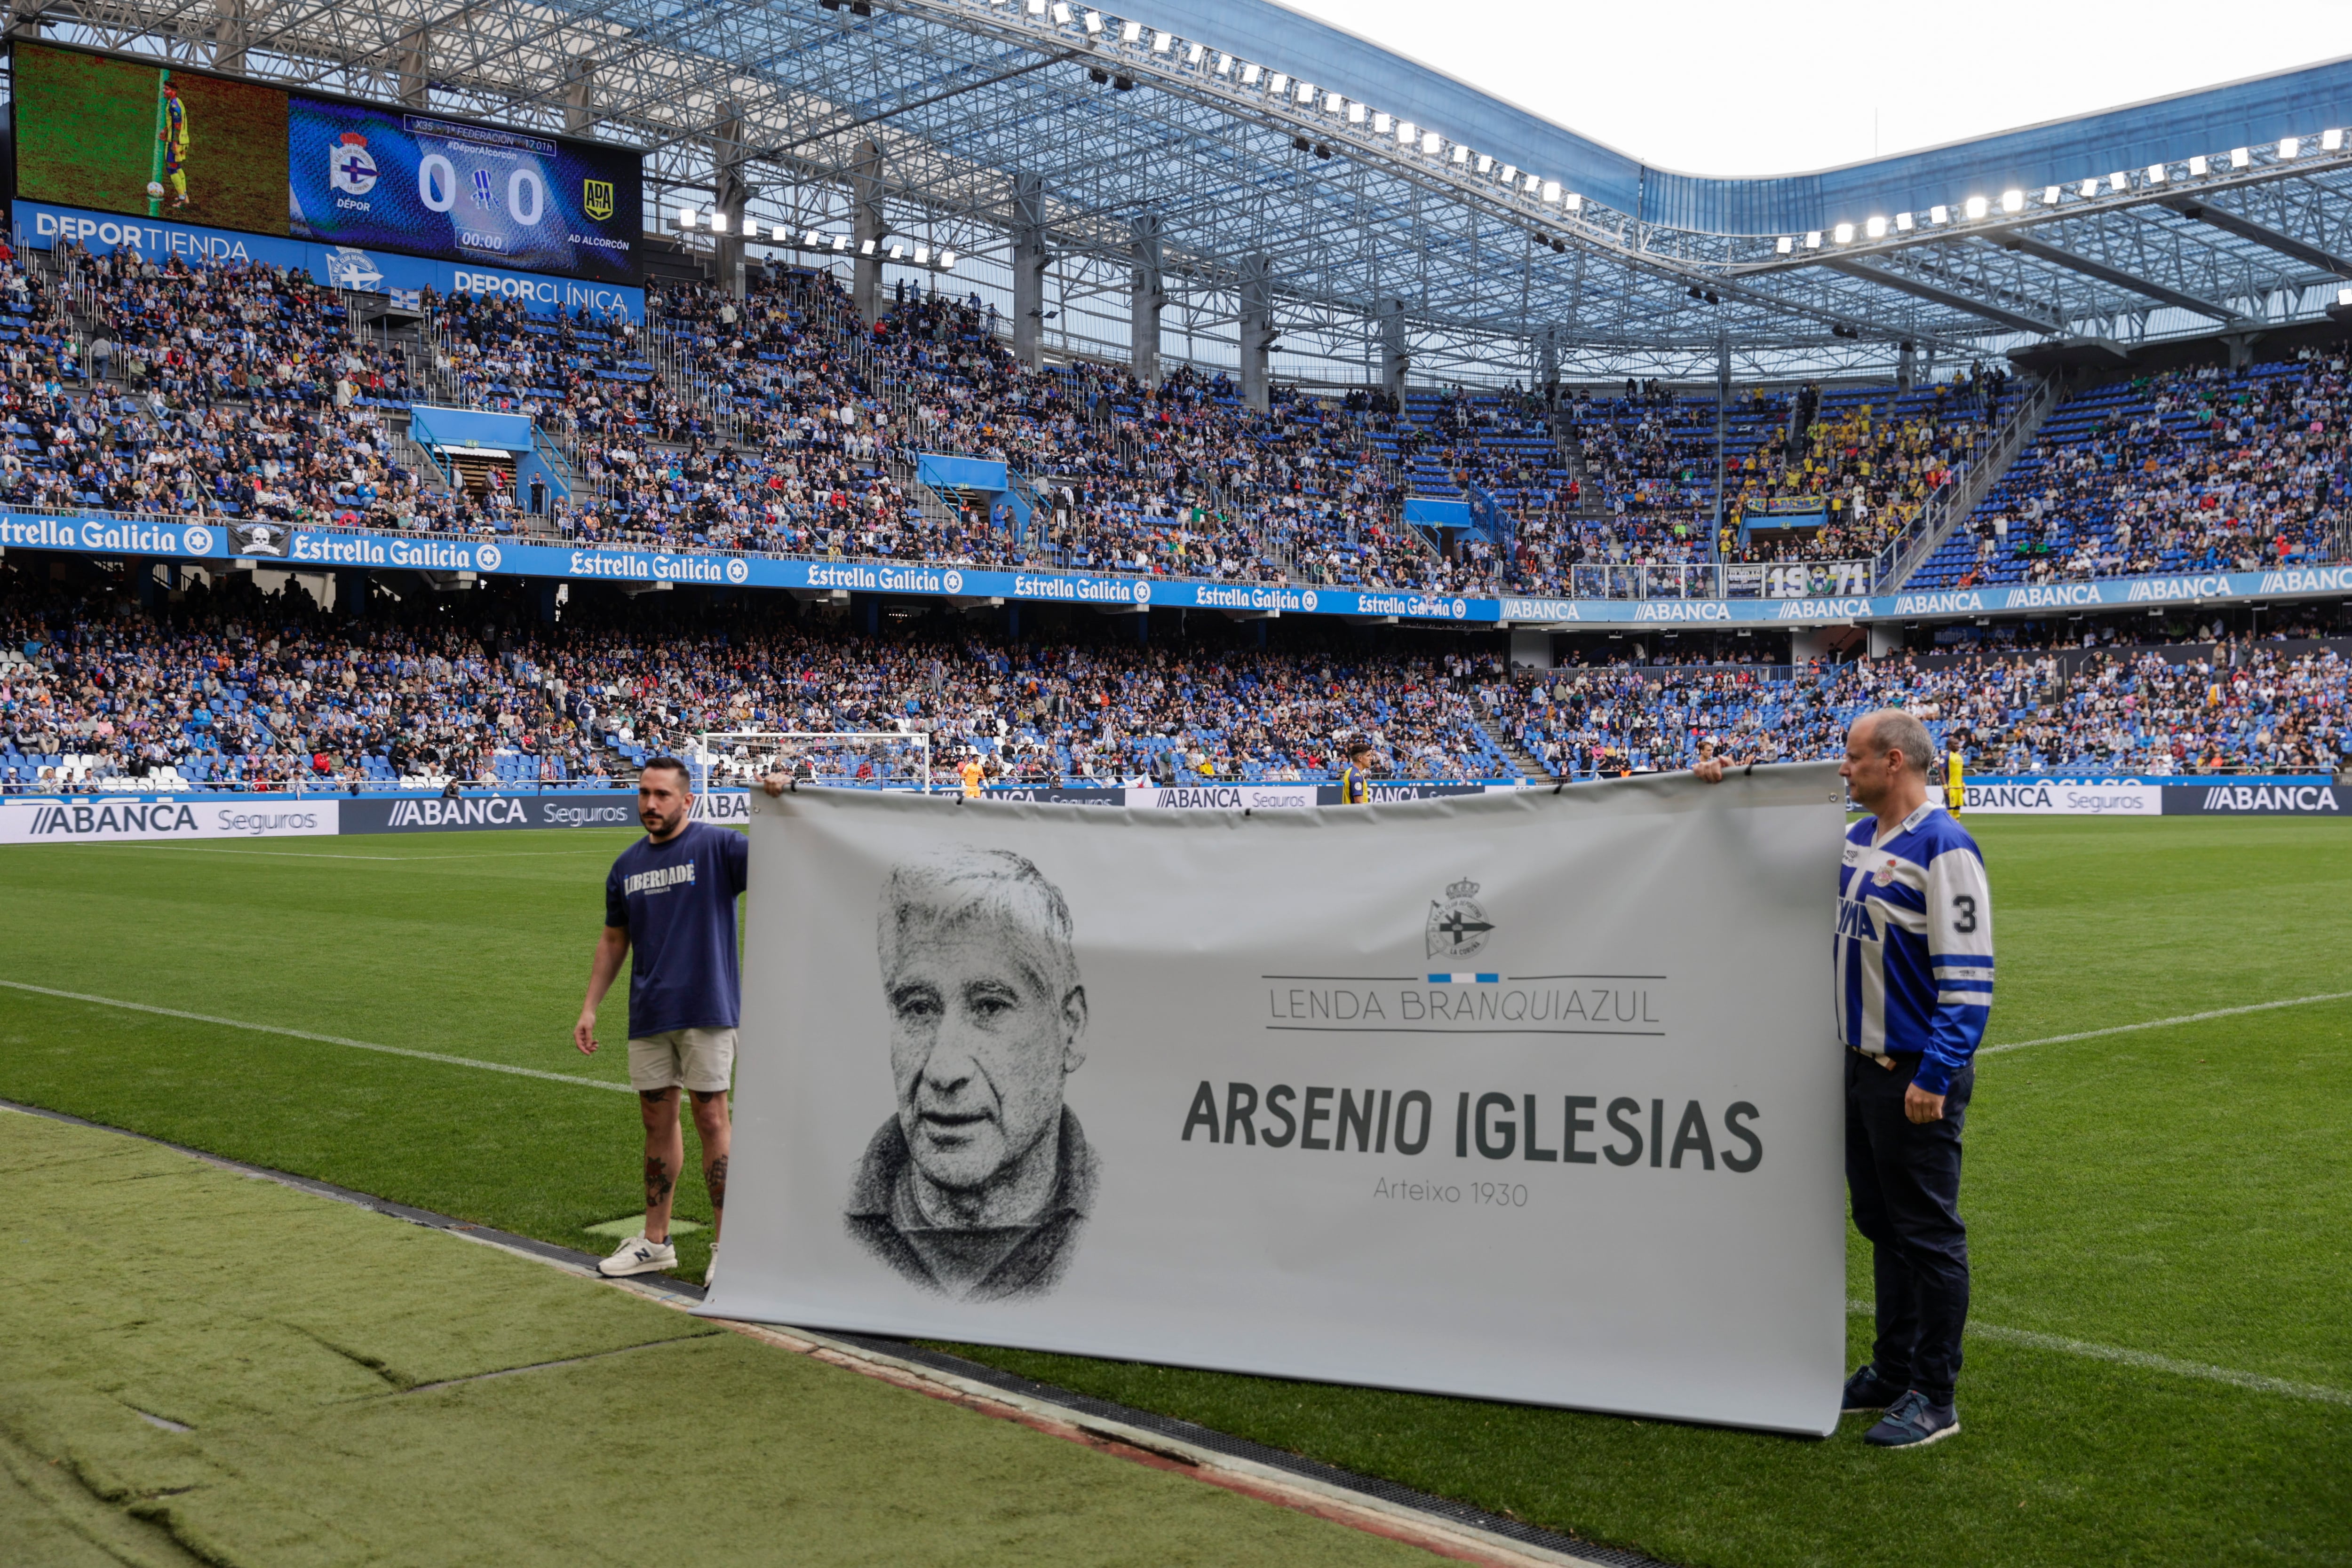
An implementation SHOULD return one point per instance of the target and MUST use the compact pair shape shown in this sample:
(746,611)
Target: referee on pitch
(1913,984)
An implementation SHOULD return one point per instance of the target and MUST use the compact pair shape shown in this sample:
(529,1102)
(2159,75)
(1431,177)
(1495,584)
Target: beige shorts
(703,1059)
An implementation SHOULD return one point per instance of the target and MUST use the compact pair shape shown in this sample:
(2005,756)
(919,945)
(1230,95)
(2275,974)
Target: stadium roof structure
(1378,208)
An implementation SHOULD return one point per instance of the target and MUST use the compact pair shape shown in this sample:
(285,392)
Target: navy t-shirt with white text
(678,901)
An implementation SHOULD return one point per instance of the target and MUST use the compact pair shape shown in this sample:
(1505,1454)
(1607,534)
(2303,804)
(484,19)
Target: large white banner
(1529,1096)
(99,819)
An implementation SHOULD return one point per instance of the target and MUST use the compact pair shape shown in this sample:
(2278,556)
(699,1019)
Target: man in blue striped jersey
(1913,986)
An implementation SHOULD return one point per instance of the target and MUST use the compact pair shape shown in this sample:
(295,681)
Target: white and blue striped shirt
(1914,947)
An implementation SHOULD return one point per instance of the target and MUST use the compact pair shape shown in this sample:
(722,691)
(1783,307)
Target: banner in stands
(2046,797)
(104,818)
(1466,1096)
(324,549)
(341,267)
(2223,798)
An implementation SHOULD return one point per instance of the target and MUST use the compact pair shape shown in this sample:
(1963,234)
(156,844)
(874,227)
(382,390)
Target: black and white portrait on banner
(979,1185)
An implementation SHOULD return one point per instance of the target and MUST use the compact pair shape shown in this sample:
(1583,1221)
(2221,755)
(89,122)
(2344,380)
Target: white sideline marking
(321,1038)
(2146,1360)
(2167,1023)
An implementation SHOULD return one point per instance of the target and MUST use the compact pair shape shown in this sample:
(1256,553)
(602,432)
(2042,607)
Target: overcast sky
(1777,87)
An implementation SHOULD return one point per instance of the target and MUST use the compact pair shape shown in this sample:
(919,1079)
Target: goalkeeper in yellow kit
(1956,793)
(173,132)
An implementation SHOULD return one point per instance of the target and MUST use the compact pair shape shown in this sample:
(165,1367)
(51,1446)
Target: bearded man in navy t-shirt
(670,897)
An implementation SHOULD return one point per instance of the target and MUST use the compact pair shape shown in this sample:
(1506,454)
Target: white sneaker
(710,1275)
(638,1256)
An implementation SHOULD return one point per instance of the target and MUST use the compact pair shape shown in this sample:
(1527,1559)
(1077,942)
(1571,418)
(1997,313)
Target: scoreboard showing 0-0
(363,176)
(149,140)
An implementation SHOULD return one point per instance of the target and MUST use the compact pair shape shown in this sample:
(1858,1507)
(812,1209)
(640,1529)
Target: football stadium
(1210,677)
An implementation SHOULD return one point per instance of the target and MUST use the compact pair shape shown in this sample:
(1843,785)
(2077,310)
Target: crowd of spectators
(781,422)
(2152,711)
(228,687)
(2181,471)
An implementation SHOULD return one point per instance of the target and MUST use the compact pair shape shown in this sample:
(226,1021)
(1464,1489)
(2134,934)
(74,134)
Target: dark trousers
(1904,1181)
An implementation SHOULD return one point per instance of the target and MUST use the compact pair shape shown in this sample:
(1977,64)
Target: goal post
(874,760)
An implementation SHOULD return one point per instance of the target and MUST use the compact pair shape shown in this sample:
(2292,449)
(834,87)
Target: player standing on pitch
(670,897)
(173,132)
(1913,983)
(1355,779)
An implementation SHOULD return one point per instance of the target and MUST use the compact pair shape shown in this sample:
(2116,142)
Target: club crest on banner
(1457,928)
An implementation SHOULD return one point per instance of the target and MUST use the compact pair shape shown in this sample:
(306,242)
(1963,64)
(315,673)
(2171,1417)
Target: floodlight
(1485,165)
(922,255)
(2119,181)
(1334,104)
(2050,195)
(2197,164)
(1132,33)
(2155,175)
(841,242)
(898,253)
(866,248)
(1551,191)
(815,241)
(1062,13)
(2289,146)
(1305,93)
(1432,143)
(1975,207)
(1279,85)
(2012,201)
(1783,246)
(1381,124)
(1406,132)
(685,217)
(1162,42)
(1225,65)
(2090,187)
(1510,175)
(1575,203)
(1903,223)
(2241,156)
(1356,113)
(1813,240)
(1094,23)
(1250,75)
(947,260)
(2331,142)
(1036,7)
(1534,184)
(1462,154)
(1875,228)
(1193,56)
(1844,233)
(718,221)
(1939,214)
(2343,296)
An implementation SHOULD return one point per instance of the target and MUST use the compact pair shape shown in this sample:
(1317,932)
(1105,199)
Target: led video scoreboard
(128,137)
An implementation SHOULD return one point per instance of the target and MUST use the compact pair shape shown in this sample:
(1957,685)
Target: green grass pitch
(86,137)
(2173,1195)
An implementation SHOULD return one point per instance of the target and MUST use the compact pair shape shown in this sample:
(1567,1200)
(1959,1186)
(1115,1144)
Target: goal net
(876,759)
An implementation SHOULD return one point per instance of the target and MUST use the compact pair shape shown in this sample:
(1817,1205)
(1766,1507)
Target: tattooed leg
(712,1125)
(665,1156)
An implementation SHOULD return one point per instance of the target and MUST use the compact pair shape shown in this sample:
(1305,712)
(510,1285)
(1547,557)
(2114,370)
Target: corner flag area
(197,1365)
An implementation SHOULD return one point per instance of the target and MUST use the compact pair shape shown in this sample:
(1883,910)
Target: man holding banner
(1913,981)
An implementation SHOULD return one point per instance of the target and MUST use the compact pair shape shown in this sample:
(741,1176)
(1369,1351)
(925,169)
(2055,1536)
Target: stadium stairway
(1500,740)
(2014,437)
